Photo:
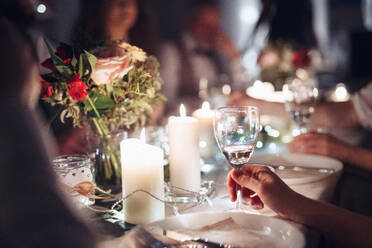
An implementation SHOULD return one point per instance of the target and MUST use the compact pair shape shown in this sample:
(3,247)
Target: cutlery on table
(180,237)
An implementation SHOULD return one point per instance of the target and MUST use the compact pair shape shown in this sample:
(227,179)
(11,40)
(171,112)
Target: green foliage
(74,62)
(101,101)
(62,68)
(86,65)
(123,103)
(53,77)
(91,59)
(48,99)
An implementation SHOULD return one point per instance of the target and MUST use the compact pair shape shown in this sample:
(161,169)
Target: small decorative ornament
(75,173)
(86,189)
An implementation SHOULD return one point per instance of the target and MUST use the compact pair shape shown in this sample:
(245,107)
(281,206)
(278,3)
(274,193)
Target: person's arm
(346,228)
(335,114)
(226,45)
(331,114)
(265,107)
(327,145)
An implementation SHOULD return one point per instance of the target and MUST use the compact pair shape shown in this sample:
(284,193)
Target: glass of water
(236,131)
(300,101)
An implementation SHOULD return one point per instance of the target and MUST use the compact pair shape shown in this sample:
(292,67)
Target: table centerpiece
(110,89)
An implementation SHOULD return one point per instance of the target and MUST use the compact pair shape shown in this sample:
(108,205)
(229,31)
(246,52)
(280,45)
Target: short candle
(142,169)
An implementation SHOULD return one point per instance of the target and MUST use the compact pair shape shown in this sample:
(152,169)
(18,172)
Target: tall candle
(142,169)
(206,136)
(184,158)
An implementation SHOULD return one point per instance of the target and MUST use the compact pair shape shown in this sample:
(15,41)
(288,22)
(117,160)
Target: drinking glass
(236,130)
(300,100)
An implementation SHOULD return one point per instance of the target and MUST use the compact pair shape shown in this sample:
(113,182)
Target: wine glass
(300,99)
(236,131)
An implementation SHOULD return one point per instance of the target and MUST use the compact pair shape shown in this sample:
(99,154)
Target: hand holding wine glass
(270,189)
(236,130)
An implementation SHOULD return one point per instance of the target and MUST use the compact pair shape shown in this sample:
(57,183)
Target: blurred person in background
(33,212)
(203,50)
(103,21)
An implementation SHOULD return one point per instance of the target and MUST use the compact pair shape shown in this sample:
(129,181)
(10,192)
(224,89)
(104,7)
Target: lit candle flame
(226,89)
(341,92)
(316,92)
(143,135)
(182,110)
(206,106)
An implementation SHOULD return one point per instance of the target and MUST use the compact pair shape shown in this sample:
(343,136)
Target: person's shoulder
(168,45)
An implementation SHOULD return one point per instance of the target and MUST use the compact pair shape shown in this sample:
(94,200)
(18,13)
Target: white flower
(135,53)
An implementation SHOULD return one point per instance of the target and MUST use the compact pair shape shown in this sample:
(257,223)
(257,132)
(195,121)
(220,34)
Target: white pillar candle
(206,136)
(142,168)
(184,158)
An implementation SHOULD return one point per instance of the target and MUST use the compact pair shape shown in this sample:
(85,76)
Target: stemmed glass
(300,99)
(236,130)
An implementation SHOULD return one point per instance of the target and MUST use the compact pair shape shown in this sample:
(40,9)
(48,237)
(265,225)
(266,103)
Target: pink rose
(110,68)
(268,59)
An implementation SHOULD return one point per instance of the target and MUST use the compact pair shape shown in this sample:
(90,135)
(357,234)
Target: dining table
(214,173)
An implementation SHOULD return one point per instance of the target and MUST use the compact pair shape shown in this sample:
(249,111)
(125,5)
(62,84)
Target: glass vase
(105,152)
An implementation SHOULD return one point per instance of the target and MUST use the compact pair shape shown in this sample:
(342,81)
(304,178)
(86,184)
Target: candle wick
(206,106)
(182,110)
(143,135)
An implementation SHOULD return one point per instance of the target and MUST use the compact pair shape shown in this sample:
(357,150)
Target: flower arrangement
(279,61)
(111,88)
(114,85)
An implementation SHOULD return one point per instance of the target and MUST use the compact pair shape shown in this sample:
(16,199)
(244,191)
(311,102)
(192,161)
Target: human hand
(239,99)
(225,44)
(270,189)
(320,144)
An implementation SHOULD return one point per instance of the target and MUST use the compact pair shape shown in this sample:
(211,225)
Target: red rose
(46,89)
(64,52)
(77,88)
(301,58)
